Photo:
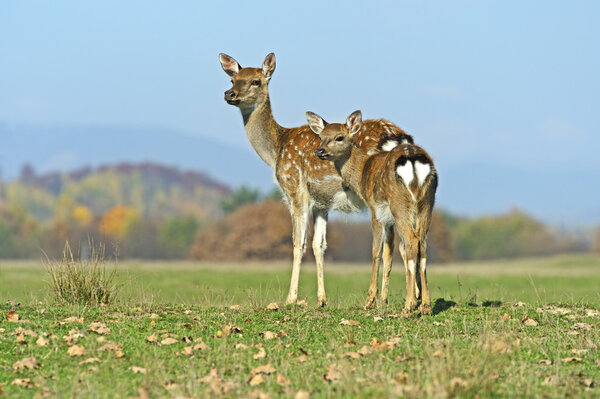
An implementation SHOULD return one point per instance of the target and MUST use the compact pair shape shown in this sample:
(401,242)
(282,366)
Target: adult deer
(309,184)
(399,188)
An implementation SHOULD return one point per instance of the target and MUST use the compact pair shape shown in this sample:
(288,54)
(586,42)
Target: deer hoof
(322,302)
(370,304)
(425,309)
(406,313)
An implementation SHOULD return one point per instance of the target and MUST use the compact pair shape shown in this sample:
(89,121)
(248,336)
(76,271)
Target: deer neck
(350,169)
(262,131)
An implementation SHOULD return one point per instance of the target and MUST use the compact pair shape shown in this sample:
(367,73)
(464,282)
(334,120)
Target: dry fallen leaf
(332,373)
(302,395)
(143,393)
(187,351)
(519,304)
(269,334)
(377,318)
(302,358)
(546,362)
(152,338)
(137,370)
(168,341)
(76,350)
(89,360)
(200,346)
(282,381)
(579,351)
(21,339)
(27,363)
(529,322)
(505,316)
(72,319)
(240,346)
(261,353)
(581,326)
(352,355)
(586,382)
(170,385)
(264,369)
(550,380)
(256,379)
(154,316)
(235,307)
(273,306)
(12,316)
(365,350)
(22,382)
(345,322)
(438,353)
(571,359)
(41,341)
(99,328)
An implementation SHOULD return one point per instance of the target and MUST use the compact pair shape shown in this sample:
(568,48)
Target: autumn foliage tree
(257,231)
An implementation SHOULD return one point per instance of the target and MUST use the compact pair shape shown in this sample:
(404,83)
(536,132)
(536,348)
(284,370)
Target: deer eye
(339,138)
(256,83)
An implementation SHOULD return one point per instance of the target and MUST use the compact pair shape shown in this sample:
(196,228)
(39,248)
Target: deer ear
(316,123)
(353,122)
(230,66)
(268,66)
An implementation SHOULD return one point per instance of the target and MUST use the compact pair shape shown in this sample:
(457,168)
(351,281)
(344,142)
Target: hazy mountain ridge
(558,194)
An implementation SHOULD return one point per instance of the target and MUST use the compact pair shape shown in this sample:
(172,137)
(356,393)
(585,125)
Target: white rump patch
(389,145)
(406,172)
(422,170)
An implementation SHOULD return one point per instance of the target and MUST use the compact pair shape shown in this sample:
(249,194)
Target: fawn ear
(316,123)
(353,122)
(268,66)
(230,66)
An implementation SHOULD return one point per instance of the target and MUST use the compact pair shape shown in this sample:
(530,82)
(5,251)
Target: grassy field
(526,328)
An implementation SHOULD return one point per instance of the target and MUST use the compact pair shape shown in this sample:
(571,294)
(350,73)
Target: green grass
(468,348)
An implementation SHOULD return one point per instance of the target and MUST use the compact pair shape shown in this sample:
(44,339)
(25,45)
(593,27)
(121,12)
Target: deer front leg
(319,246)
(299,227)
(388,249)
(376,252)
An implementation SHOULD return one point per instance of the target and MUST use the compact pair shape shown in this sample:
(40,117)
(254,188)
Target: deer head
(250,85)
(336,138)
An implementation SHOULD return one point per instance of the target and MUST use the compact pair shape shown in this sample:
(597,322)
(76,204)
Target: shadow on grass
(441,305)
(486,304)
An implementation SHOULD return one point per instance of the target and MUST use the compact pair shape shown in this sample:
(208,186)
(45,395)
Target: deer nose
(320,151)
(229,94)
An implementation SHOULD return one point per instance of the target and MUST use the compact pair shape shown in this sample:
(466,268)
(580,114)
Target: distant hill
(63,149)
(156,191)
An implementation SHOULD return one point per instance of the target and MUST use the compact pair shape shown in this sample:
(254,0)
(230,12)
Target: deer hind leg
(299,227)
(426,300)
(319,246)
(411,253)
(388,250)
(376,252)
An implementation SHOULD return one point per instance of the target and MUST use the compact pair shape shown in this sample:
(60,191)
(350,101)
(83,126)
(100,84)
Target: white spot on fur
(389,145)
(384,214)
(422,170)
(405,141)
(289,156)
(371,151)
(286,166)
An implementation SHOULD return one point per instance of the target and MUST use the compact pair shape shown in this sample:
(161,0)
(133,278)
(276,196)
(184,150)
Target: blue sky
(483,85)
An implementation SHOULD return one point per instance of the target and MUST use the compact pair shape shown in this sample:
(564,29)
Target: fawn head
(336,138)
(250,85)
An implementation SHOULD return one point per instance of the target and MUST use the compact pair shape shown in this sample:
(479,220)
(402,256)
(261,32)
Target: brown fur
(309,183)
(375,179)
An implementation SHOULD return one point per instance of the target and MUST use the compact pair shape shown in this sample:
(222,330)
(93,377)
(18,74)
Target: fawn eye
(339,138)
(256,83)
